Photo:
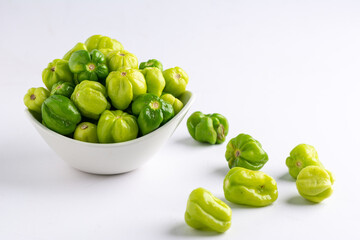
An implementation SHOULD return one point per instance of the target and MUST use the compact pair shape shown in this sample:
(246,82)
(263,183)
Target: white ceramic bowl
(111,158)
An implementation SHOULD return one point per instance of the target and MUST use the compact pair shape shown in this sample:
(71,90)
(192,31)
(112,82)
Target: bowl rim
(182,112)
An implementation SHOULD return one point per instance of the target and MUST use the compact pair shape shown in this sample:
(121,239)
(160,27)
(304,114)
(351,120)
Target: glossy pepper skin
(155,81)
(88,66)
(206,212)
(208,128)
(121,59)
(116,126)
(60,114)
(56,71)
(152,112)
(253,188)
(90,98)
(77,47)
(124,86)
(62,88)
(301,156)
(100,42)
(176,80)
(176,103)
(245,151)
(314,183)
(35,97)
(86,132)
(151,63)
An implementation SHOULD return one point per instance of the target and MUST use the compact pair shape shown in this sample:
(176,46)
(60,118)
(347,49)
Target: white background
(285,72)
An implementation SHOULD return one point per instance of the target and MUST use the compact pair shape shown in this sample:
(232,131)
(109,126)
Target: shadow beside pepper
(182,230)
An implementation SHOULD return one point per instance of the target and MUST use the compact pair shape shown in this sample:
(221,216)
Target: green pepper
(56,71)
(60,114)
(125,86)
(90,98)
(116,126)
(122,59)
(34,98)
(62,88)
(152,112)
(254,188)
(210,128)
(155,81)
(77,47)
(245,151)
(176,103)
(314,183)
(88,66)
(99,42)
(206,212)
(176,80)
(86,132)
(301,156)
(151,63)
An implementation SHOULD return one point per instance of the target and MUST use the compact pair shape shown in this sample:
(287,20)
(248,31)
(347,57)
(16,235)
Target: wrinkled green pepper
(176,103)
(155,81)
(176,80)
(206,212)
(124,86)
(152,112)
(245,151)
(77,47)
(56,71)
(86,132)
(35,97)
(90,98)
(209,128)
(122,59)
(151,63)
(60,114)
(116,126)
(248,187)
(99,42)
(301,156)
(62,88)
(88,66)
(314,183)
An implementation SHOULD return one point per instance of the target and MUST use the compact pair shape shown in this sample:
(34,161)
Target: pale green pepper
(206,212)
(253,188)
(56,71)
(90,98)
(176,80)
(124,86)
(120,60)
(301,156)
(116,126)
(34,98)
(99,42)
(77,47)
(155,81)
(86,132)
(314,183)
(176,103)
(151,63)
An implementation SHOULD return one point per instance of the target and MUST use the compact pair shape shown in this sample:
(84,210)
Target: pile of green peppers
(99,93)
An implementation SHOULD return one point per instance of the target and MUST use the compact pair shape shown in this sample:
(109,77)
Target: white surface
(111,158)
(285,72)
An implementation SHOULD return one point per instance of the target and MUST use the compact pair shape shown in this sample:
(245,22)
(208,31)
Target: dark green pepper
(151,63)
(62,88)
(210,128)
(60,114)
(244,151)
(152,112)
(88,66)
(77,47)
